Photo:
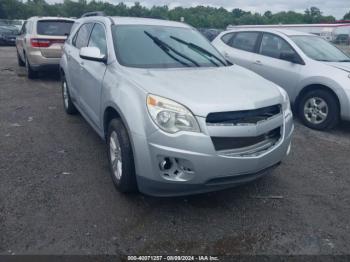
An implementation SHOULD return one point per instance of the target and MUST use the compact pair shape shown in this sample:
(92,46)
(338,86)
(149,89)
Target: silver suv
(39,44)
(315,74)
(176,117)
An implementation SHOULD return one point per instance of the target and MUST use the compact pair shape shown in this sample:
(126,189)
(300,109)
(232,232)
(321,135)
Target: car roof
(123,20)
(146,21)
(286,32)
(38,18)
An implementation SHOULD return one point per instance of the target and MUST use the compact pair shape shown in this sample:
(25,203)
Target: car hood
(206,90)
(340,65)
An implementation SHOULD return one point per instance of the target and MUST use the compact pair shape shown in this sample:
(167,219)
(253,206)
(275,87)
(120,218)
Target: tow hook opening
(175,169)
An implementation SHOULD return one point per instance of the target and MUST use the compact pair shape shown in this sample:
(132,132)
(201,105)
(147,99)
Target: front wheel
(319,109)
(120,157)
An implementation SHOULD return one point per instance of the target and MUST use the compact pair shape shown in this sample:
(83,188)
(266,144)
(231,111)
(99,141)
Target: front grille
(243,117)
(246,145)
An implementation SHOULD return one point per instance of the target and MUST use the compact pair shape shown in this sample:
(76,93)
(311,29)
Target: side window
(273,46)
(98,38)
(81,38)
(227,38)
(245,41)
(73,37)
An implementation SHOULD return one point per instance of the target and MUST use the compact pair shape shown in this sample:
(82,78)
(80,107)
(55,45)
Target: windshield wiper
(199,50)
(345,60)
(324,60)
(166,48)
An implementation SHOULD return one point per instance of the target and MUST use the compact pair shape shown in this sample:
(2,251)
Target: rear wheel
(19,60)
(30,72)
(319,109)
(120,157)
(68,105)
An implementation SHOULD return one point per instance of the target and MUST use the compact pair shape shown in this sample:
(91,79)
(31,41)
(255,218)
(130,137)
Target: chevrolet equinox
(177,118)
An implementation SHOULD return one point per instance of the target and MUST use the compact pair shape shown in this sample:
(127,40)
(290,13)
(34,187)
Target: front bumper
(205,168)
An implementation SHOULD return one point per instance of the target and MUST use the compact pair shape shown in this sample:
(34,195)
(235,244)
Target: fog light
(165,164)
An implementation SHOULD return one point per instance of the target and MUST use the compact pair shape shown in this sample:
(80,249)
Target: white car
(314,73)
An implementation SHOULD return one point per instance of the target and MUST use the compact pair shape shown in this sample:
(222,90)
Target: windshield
(319,49)
(8,30)
(146,46)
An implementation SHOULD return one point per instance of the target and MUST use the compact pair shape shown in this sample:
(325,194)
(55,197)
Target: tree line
(200,16)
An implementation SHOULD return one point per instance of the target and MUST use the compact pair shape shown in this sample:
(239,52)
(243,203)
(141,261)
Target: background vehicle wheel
(319,109)
(19,60)
(30,72)
(120,157)
(68,105)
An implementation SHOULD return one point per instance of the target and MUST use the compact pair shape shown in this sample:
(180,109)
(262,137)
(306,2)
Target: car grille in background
(231,143)
(243,117)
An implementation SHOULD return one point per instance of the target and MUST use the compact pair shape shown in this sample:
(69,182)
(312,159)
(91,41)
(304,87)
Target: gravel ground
(56,195)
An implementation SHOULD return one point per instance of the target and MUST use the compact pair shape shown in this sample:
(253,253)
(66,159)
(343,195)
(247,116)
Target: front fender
(332,84)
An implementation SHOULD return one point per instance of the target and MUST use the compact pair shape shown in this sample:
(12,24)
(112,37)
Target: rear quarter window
(226,38)
(52,27)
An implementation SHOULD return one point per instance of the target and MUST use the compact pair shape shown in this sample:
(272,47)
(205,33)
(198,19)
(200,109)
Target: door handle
(258,62)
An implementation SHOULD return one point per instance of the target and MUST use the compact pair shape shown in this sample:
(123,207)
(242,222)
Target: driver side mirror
(291,57)
(92,54)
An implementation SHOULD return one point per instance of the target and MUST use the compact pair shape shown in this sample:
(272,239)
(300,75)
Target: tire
(68,105)
(120,158)
(319,109)
(30,72)
(19,60)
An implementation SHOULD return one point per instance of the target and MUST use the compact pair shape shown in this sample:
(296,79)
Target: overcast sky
(336,8)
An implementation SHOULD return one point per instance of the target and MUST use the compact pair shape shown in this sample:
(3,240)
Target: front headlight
(171,116)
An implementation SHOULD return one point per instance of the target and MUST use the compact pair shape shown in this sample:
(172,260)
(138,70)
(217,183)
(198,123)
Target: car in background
(315,73)
(176,117)
(18,23)
(8,35)
(40,42)
(342,39)
(209,33)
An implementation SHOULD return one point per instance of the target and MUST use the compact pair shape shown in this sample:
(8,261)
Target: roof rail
(97,13)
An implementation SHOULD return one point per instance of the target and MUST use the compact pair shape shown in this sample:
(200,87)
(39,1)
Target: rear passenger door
(243,45)
(80,39)
(269,62)
(92,73)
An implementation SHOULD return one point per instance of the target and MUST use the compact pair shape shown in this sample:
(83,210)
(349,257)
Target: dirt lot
(56,195)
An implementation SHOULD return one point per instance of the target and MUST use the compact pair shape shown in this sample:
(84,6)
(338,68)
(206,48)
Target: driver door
(268,63)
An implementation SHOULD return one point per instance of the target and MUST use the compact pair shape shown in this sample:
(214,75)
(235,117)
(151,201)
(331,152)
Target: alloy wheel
(65,94)
(115,155)
(316,110)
